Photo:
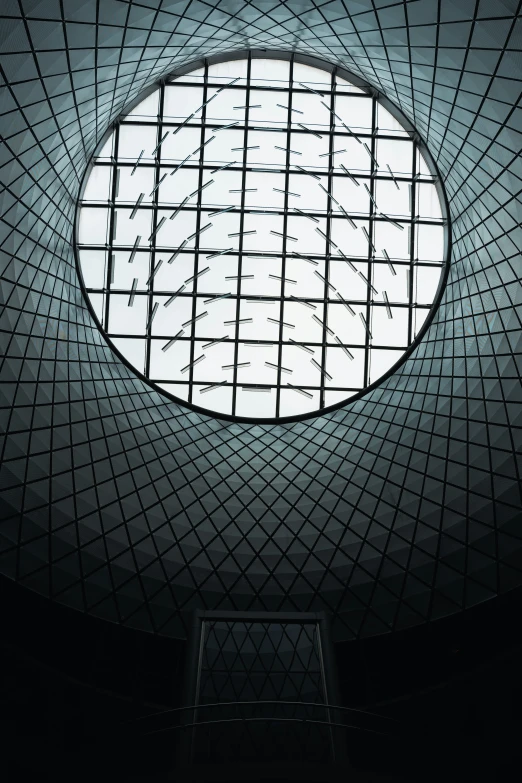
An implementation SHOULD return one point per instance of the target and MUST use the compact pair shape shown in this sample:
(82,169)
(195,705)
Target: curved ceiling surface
(401,507)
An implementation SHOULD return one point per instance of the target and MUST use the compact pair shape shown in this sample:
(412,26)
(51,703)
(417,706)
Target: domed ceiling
(400,507)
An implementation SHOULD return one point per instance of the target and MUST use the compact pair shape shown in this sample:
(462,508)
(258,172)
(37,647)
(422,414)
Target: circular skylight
(261,238)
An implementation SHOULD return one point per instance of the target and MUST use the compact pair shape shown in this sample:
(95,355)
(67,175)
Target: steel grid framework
(321,390)
(396,509)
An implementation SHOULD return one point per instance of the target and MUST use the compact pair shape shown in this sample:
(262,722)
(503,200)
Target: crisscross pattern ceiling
(401,507)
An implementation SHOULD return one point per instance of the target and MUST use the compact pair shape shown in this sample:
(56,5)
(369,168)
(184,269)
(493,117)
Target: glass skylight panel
(270,245)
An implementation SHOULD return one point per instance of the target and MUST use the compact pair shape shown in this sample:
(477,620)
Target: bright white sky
(284,321)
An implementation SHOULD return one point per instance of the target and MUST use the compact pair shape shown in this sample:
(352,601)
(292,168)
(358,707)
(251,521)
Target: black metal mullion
(371,254)
(356,302)
(253,210)
(273,342)
(430,178)
(349,389)
(112,223)
(284,241)
(331,137)
(264,87)
(152,247)
(196,242)
(314,256)
(413,206)
(241,228)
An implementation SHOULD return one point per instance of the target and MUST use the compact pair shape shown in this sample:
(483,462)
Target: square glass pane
(221,233)
(173,232)
(253,321)
(429,243)
(262,359)
(354,199)
(272,73)
(215,281)
(349,329)
(210,369)
(308,283)
(127,319)
(180,102)
(388,331)
(301,324)
(124,273)
(146,110)
(293,403)
(355,158)
(226,189)
(223,147)
(309,241)
(170,277)
(267,147)
(262,276)
(133,139)
(223,108)
(133,349)
(167,365)
(355,112)
(314,114)
(98,304)
(380,363)
(428,203)
(131,186)
(272,254)
(388,237)
(311,197)
(264,403)
(128,230)
(179,144)
(94,268)
(387,124)
(99,184)
(180,390)
(296,358)
(346,373)
(169,320)
(227,71)
(419,319)
(265,190)
(334,397)
(269,108)
(397,154)
(353,242)
(268,228)
(94,225)
(176,187)
(392,201)
(395,285)
(347,281)
(316,78)
(219,399)
(213,325)
(426,283)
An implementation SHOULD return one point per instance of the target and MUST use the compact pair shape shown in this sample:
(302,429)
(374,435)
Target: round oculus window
(261,238)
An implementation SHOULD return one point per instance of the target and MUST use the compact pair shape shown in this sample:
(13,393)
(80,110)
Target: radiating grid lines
(323,386)
(476,151)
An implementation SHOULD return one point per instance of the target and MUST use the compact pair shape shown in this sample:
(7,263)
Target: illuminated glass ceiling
(261,238)
(397,509)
